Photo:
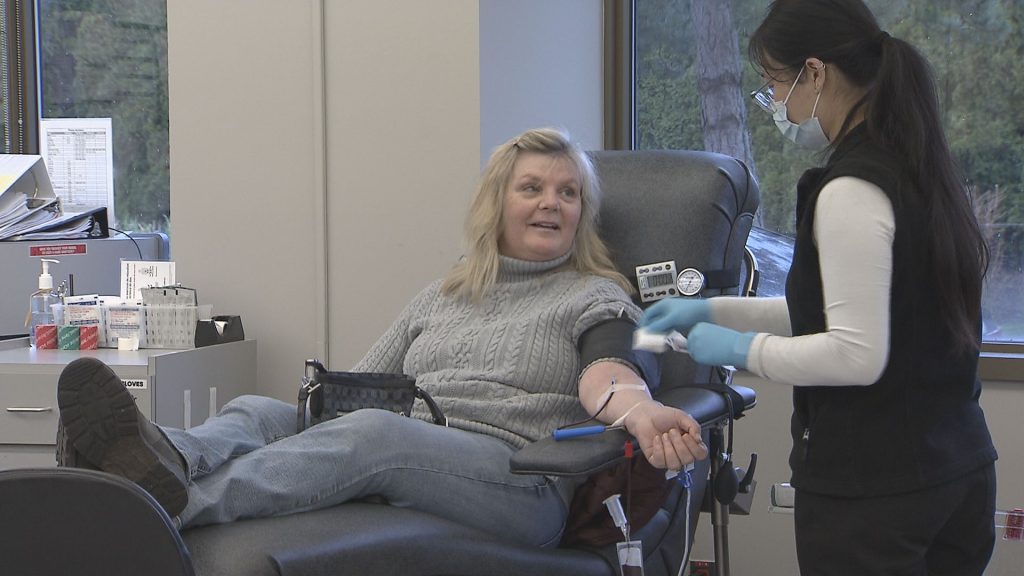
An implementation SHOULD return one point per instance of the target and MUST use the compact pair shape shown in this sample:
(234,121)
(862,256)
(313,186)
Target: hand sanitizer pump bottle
(42,300)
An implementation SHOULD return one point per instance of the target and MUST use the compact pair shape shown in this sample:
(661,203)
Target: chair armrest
(706,406)
(585,455)
(581,456)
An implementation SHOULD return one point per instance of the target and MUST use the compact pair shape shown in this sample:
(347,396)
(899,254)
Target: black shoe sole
(67,456)
(101,422)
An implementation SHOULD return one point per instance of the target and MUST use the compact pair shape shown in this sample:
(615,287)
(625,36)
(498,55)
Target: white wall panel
(243,180)
(403,140)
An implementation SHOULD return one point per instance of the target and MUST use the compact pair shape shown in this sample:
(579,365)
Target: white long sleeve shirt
(854,227)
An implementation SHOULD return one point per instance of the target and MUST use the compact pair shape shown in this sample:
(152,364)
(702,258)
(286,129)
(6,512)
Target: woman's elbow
(864,363)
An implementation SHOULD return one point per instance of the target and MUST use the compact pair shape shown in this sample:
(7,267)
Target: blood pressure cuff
(613,338)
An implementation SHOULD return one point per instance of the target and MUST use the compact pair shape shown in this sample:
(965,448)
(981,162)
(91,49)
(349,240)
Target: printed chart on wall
(80,159)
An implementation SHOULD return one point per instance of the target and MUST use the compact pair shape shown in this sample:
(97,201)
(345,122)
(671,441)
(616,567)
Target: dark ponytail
(901,110)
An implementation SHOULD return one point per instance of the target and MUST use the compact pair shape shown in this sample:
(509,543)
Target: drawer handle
(30,409)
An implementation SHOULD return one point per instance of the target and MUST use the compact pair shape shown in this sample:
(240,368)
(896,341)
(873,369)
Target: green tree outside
(108,58)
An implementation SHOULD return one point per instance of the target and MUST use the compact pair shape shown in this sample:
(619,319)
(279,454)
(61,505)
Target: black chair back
(692,208)
(59,521)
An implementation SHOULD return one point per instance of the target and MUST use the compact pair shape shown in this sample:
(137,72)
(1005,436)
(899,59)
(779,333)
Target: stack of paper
(29,209)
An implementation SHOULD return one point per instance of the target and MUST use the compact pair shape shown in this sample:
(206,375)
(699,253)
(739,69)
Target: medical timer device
(661,280)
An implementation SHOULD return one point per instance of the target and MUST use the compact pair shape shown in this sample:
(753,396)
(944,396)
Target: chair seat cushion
(363,538)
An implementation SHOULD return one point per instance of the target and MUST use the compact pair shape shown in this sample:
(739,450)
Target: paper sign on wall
(80,155)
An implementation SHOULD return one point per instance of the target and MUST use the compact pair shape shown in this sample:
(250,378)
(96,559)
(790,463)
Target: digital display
(656,281)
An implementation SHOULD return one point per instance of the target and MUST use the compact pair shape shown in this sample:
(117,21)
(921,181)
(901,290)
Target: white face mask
(807,134)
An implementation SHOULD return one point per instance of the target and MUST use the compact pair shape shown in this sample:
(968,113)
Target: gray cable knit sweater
(508,366)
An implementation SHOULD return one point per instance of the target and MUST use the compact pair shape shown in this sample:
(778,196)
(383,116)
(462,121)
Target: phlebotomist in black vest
(879,331)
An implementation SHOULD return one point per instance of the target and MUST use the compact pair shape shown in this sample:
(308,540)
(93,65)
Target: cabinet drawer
(28,413)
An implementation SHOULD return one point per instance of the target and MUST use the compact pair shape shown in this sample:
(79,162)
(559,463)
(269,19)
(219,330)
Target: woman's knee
(255,403)
(261,409)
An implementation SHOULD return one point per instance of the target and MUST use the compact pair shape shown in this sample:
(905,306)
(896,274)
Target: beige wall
(403,139)
(1004,406)
(243,169)
(321,156)
(323,152)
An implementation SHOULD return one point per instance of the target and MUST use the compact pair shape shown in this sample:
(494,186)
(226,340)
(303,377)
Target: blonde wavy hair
(477,272)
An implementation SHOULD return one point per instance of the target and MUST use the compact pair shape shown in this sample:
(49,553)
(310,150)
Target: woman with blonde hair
(495,344)
(475,274)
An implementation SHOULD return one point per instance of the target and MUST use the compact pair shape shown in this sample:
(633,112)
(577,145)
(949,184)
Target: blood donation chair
(684,208)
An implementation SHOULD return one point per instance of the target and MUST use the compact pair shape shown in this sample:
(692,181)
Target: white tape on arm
(615,387)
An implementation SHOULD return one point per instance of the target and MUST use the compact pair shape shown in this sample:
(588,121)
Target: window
(684,48)
(97,60)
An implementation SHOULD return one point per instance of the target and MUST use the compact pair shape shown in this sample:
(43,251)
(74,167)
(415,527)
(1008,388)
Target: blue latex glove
(714,345)
(679,314)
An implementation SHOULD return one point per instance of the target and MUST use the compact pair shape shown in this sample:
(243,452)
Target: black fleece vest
(920,424)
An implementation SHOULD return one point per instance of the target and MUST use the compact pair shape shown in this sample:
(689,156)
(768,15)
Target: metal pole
(719,512)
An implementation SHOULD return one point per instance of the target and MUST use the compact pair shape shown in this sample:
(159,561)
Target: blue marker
(565,434)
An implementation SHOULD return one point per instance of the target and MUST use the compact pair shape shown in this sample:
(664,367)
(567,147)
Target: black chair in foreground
(693,209)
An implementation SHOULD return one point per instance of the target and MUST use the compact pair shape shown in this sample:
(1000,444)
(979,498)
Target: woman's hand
(668,437)
(715,345)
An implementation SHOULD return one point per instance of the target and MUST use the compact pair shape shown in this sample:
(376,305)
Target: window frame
(1000,361)
(22,89)
(619,74)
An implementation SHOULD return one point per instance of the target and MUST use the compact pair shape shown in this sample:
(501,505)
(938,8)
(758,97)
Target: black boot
(67,456)
(103,425)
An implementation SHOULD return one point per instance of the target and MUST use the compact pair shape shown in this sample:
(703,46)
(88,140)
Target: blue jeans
(248,462)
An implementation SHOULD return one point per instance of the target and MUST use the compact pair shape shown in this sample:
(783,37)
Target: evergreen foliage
(108,58)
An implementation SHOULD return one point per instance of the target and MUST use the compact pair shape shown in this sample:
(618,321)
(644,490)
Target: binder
(68,226)
(30,210)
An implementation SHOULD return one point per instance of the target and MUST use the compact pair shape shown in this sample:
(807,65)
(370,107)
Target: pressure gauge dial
(690,282)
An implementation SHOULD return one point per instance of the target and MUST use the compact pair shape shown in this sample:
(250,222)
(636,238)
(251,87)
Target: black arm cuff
(613,338)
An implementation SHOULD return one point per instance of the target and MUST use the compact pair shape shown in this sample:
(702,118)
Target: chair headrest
(691,207)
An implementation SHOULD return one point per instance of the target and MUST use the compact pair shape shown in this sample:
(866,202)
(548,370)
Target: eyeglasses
(764,97)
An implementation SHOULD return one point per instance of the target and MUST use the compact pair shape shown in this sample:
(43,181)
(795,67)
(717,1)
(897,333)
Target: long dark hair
(901,110)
